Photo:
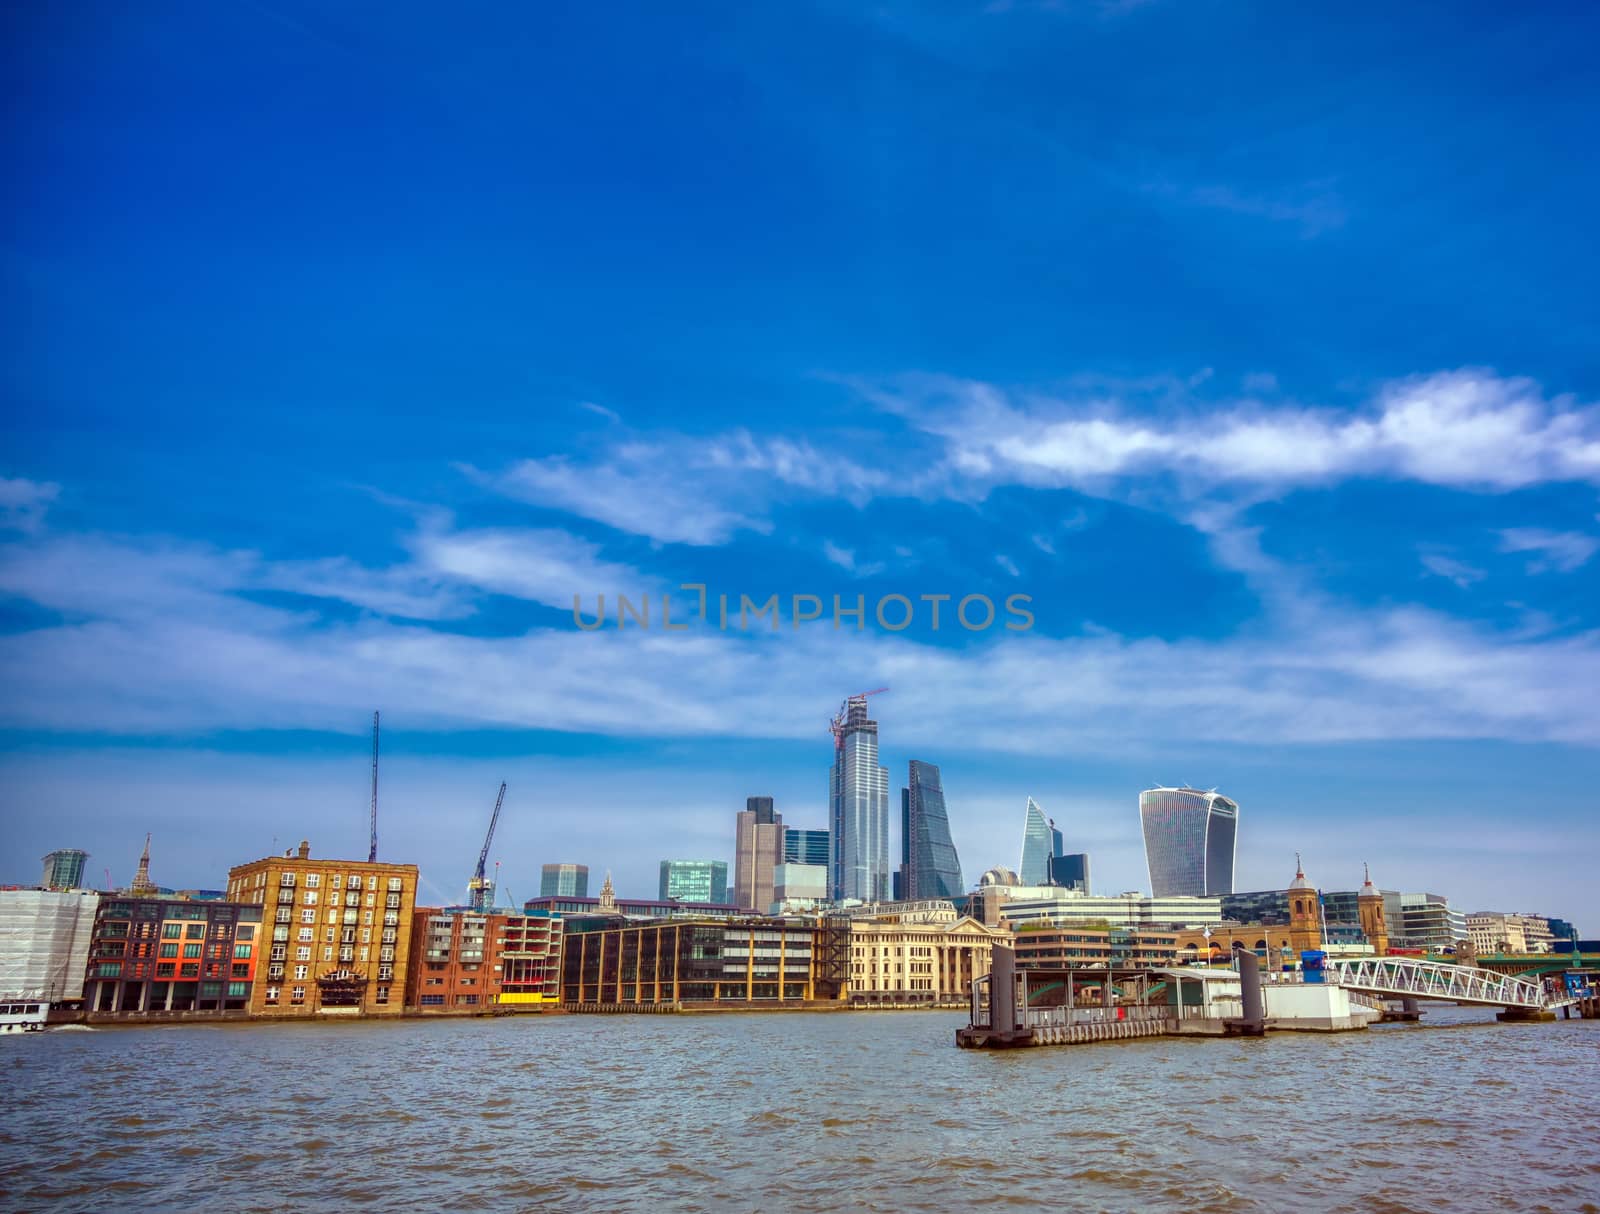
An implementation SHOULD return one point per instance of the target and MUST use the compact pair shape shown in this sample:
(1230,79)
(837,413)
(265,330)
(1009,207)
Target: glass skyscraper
(1189,841)
(694,880)
(932,869)
(1036,847)
(858,808)
(63,869)
(805,846)
(564,881)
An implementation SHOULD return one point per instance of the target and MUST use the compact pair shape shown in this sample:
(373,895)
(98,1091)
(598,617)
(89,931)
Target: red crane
(836,725)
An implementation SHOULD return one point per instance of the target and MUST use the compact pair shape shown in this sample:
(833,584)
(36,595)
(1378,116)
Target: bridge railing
(1420,979)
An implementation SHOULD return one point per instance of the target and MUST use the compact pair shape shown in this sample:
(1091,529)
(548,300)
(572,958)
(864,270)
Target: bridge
(1414,978)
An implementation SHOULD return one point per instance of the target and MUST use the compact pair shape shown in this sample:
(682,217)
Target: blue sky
(1259,348)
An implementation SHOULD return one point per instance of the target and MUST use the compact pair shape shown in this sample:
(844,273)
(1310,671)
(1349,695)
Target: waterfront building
(900,958)
(1372,913)
(793,883)
(694,881)
(705,961)
(758,850)
(1041,946)
(858,801)
(1190,837)
(464,961)
(340,933)
(1498,932)
(1071,871)
(633,908)
(564,881)
(932,868)
(805,846)
(1270,942)
(157,956)
(1268,906)
(63,868)
(1051,904)
(1036,846)
(1305,912)
(44,942)
(1428,921)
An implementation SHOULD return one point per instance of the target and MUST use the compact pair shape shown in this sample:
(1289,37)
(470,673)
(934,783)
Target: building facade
(1190,837)
(932,868)
(44,942)
(633,908)
(805,846)
(694,881)
(467,962)
(758,850)
(705,961)
(901,960)
(1043,947)
(858,800)
(156,956)
(339,934)
(1052,905)
(63,868)
(564,881)
(1429,922)
(800,883)
(1071,871)
(1036,846)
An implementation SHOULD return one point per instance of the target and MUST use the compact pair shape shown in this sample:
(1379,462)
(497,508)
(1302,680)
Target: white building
(44,942)
(1056,906)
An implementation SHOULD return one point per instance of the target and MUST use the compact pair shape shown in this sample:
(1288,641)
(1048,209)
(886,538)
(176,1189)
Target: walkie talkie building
(1190,836)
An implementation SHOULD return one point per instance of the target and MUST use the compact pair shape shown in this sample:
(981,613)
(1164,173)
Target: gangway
(1414,978)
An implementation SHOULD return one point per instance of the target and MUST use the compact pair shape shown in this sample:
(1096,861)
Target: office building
(155,956)
(466,962)
(694,881)
(1036,846)
(44,942)
(1498,932)
(63,869)
(899,959)
(1070,871)
(1017,905)
(632,908)
(1428,921)
(340,933)
(564,881)
(757,852)
(932,868)
(1085,946)
(805,846)
(858,799)
(800,883)
(1190,837)
(1269,907)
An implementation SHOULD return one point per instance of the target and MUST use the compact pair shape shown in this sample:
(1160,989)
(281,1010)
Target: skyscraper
(63,869)
(1036,844)
(858,801)
(932,869)
(758,850)
(805,846)
(694,880)
(1070,871)
(564,881)
(1189,841)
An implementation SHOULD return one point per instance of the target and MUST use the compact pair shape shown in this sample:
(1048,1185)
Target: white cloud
(1562,551)
(23,503)
(1009,565)
(1459,572)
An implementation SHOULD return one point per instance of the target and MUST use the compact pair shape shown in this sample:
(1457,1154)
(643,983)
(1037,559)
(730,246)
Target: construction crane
(837,724)
(372,852)
(480,892)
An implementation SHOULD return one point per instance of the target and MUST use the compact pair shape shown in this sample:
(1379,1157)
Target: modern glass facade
(858,800)
(932,868)
(694,880)
(1269,907)
(805,846)
(564,881)
(1429,921)
(1189,841)
(63,869)
(1071,872)
(1036,843)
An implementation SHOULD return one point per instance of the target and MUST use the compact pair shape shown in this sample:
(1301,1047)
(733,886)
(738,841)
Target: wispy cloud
(1562,551)
(1314,206)
(1459,572)
(23,503)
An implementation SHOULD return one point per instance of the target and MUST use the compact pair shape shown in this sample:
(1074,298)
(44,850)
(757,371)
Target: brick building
(464,961)
(153,956)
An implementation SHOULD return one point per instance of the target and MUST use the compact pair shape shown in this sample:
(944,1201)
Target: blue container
(1311,960)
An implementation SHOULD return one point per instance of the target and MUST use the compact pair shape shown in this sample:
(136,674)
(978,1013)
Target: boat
(19,1014)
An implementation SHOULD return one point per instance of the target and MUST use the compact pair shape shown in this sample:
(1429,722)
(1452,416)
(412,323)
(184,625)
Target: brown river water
(797,1111)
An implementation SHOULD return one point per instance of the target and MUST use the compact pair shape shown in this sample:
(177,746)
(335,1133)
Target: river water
(797,1111)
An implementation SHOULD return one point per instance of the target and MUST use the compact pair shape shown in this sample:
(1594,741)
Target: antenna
(372,852)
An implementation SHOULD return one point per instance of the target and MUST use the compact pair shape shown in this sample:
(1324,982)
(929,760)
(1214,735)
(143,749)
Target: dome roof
(999,876)
(1299,881)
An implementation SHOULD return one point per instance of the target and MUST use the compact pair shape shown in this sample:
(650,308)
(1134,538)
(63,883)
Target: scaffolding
(44,942)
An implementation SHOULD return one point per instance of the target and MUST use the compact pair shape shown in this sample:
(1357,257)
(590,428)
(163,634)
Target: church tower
(608,898)
(142,886)
(1305,912)
(1369,908)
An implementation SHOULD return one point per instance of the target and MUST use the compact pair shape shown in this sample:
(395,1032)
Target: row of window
(314,881)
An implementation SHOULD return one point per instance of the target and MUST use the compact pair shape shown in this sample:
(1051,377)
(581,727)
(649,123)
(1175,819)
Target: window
(306,935)
(241,952)
(308,916)
(364,953)
(299,973)
(338,881)
(286,880)
(383,995)
(189,969)
(109,969)
(309,897)
(466,999)
(433,982)
(432,1000)
(274,971)
(283,914)
(272,994)
(372,899)
(280,933)
(169,950)
(327,952)
(366,917)
(297,994)
(238,990)
(302,953)
(313,880)
(191,950)
(241,971)
(469,982)
(392,901)
(394,884)
(385,973)
(279,952)
(171,931)
(366,935)
(164,969)
(372,882)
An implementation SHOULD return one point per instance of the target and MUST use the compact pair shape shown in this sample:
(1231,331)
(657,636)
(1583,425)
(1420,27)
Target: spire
(1368,890)
(1299,881)
(141,880)
(608,896)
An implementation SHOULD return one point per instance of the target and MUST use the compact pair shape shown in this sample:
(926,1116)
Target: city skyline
(883,302)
